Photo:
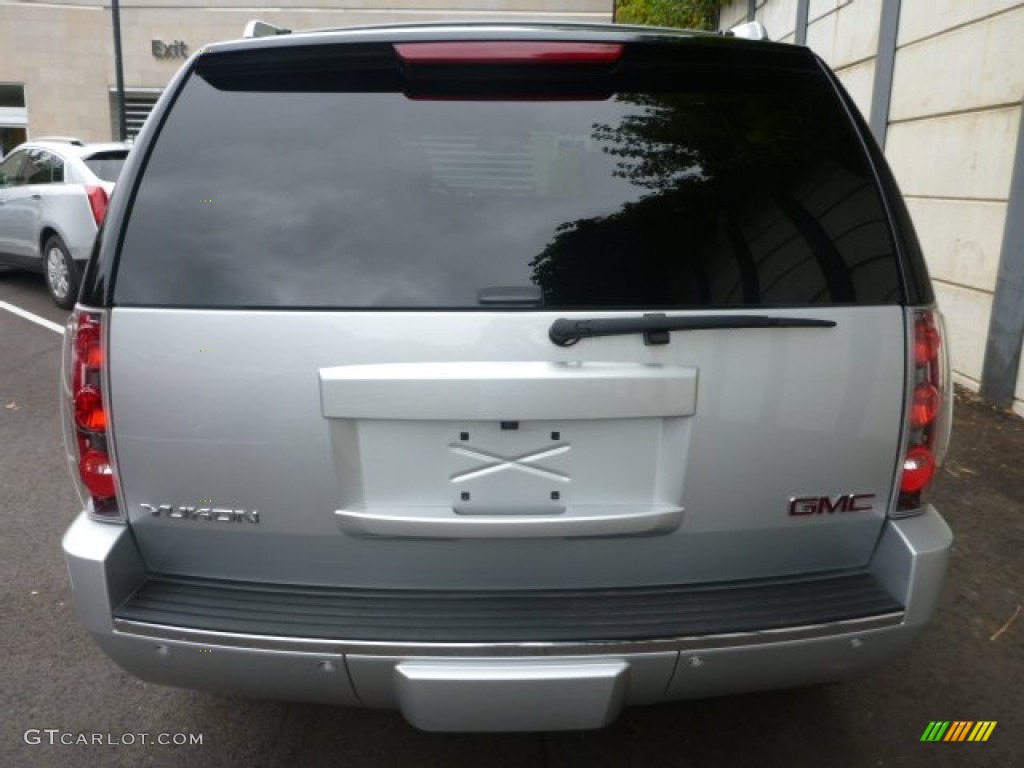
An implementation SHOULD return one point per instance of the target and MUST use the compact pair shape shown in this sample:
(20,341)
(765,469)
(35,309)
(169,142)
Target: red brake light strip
(508,52)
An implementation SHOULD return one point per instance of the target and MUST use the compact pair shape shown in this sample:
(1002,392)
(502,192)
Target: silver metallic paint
(231,400)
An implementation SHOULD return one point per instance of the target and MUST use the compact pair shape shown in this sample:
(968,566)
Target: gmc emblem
(826,505)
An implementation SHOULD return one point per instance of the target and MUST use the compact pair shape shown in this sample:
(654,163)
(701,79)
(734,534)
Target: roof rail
(62,139)
(257,28)
(751,30)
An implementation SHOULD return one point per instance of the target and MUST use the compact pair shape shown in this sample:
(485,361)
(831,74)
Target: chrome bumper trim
(161,632)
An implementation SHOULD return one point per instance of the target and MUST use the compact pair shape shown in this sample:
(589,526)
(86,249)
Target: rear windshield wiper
(565,332)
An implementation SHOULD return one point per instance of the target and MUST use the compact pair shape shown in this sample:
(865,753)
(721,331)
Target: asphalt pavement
(56,686)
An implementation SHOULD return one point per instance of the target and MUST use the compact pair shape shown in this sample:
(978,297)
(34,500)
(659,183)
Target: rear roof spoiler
(257,28)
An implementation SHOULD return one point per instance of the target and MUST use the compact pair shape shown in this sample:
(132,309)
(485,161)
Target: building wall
(64,54)
(954,116)
(147,20)
(61,54)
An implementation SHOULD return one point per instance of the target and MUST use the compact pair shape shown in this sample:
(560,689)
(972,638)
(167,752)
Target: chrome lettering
(209,514)
(182,513)
(250,516)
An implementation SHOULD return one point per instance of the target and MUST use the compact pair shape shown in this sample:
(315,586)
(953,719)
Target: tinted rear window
(106,165)
(736,188)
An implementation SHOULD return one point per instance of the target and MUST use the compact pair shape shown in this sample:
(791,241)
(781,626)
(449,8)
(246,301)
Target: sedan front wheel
(61,273)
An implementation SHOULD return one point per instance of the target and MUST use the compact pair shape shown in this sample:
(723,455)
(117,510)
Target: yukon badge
(210,514)
(802,506)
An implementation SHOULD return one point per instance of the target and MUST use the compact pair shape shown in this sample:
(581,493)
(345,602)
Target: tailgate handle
(445,524)
(507,391)
(565,332)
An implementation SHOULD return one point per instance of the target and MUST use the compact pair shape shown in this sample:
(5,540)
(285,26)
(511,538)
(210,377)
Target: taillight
(927,339)
(87,342)
(87,437)
(97,473)
(925,406)
(918,469)
(929,410)
(98,200)
(89,413)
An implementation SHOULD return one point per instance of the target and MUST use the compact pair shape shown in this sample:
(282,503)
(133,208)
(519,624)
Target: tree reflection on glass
(717,169)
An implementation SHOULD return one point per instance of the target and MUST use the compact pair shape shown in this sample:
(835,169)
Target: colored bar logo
(958,730)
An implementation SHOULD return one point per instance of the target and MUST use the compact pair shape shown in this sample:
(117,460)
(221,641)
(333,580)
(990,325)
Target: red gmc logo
(826,505)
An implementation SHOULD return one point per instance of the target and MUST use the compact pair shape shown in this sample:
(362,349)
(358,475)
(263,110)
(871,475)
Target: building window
(13,116)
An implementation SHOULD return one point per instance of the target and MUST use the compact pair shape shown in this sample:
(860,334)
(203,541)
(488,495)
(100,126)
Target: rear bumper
(545,676)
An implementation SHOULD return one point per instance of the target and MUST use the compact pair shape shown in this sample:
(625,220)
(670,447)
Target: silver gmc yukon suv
(505,375)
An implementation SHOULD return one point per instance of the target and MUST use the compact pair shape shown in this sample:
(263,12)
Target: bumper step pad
(470,616)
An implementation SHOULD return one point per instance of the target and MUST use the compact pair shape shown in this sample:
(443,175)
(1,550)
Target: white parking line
(55,327)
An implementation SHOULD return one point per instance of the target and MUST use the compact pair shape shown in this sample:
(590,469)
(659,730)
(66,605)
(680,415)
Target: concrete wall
(55,84)
(954,115)
(955,112)
(845,34)
(732,14)
(146,20)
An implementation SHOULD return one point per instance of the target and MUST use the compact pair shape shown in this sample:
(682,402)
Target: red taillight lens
(927,340)
(927,413)
(89,413)
(97,474)
(98,200)
(86,418)
(925,407)
(509,52)
(87,343)
(918,469)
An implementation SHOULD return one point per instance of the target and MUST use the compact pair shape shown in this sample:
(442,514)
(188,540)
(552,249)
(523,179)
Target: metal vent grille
(137,106)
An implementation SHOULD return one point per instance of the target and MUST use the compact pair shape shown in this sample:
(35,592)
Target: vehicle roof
(70,149)
(489,30)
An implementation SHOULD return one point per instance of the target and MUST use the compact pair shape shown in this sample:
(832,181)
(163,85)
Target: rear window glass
(748,189)
(106,165)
